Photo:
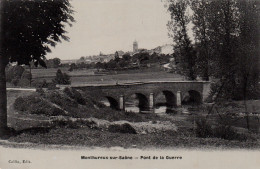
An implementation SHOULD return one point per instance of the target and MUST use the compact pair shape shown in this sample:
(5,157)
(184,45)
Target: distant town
(166,49)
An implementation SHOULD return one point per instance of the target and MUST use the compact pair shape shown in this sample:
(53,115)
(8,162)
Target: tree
(248,52)
(200,19)
(53,63)
(28,29)
(117,57)
(82,59)
(99,65)
(56,62)
(178,30)
(61,78)
(126,57)
(14,72)
(25,79)
(72,67)
(229,30)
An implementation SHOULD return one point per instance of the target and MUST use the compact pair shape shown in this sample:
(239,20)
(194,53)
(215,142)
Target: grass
(21,120)
(88,77)
(233,114)
(92,137)
(54,103)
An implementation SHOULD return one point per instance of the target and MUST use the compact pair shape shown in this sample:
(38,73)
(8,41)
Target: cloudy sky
(109,25)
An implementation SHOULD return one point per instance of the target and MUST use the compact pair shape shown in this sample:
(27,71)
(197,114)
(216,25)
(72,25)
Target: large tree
(200,19)
(28,28)
(178,27)
(248,50)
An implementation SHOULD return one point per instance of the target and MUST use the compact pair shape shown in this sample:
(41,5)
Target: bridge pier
(178,98)
(121,102)
(151,101)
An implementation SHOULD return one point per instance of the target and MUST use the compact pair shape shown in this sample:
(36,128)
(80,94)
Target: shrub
(20,105)
(52,86)
(227,132)
(40,91)
(74,124)
(122,128)
(15,81)
(17,75)
(26,75)
(61,99)
(35,104)
(24,82)
(74,94)
(203,128)
(61,78)
(40,83)
(14,72)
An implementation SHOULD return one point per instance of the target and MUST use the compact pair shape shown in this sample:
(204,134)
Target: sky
(110,25)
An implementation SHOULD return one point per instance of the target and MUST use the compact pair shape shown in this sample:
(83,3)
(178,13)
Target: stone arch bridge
(175,93)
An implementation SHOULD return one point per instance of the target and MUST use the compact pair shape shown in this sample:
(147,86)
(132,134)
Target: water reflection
(133,107)
(106,103)
(157,110)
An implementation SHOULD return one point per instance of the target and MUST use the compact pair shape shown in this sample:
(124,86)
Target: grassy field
(112,77)
(95,138)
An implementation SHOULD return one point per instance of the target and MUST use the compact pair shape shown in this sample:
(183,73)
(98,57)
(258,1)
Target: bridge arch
(112,102)
(137,100)
(192,97)
(165,98)
(165,101)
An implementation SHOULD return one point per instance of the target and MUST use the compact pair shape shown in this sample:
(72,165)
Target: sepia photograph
(129,84)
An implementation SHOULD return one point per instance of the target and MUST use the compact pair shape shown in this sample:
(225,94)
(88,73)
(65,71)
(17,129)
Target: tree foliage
(53,63)
(31,27)
(27,30)
(179,31)
(226,41)
(61,78)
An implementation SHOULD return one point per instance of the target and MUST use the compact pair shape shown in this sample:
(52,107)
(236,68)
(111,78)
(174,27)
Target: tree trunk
(3,95)
(3,100)
(245,99)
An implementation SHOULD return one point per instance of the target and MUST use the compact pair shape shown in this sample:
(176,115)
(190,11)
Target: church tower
(135,46)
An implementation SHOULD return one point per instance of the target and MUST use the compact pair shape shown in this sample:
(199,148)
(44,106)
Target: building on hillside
(165,49)
(69,61)
(135,47)
(142,50)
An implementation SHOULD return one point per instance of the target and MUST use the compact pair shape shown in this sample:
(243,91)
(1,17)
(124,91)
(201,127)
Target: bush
(122,128)
(24,82)
(61,99)
(35,104)
(14,72)
(52,86)
(18,76)
(203,128)
(61,78)
(40,91)
(40,83)
(15,81)
(74,94)
(74,124)
(26,75)
(228,133)
(20,105)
